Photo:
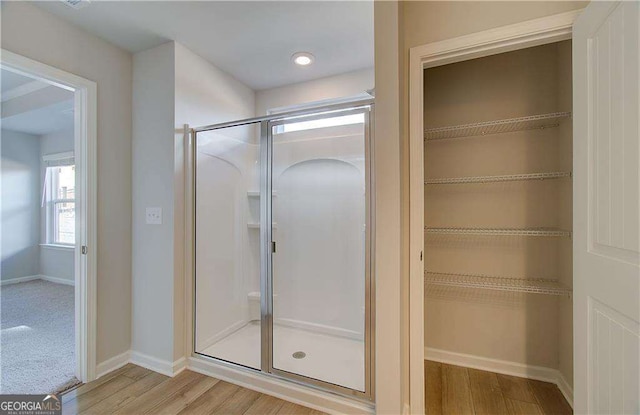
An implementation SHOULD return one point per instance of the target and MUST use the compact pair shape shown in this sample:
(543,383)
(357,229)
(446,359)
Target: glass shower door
(320,278)
(227,245)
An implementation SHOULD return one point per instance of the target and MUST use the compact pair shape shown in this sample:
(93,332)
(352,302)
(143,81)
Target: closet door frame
(550,29)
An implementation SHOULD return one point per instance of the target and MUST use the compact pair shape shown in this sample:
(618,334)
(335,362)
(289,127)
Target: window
(321,123)
(60,204)
(324,123)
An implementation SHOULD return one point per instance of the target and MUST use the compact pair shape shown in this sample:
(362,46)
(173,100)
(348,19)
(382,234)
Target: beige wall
(153,186)
(173,86)
(391,348)
(31,32)
(431,21)
(346,85)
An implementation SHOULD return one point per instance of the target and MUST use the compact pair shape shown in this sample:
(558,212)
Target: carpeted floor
(37,352)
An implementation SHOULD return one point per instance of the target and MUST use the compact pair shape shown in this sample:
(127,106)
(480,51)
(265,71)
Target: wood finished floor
(449,390)
(457,390)
(135,390)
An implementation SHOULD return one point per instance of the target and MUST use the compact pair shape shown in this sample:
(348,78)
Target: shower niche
(282,255)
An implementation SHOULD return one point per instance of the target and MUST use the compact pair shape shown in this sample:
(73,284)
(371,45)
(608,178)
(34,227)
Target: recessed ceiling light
(302,58)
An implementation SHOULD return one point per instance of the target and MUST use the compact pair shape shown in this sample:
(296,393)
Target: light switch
(154,216)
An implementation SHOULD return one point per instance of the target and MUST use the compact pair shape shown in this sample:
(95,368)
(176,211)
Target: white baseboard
(157,365)
(565,388)
(49,278)
(179,365)
(112,364)
(250,379)
(57,280)
(19,280)
(504,367)
(163,367)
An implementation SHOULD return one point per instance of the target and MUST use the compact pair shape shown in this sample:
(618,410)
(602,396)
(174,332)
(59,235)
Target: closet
(498,214)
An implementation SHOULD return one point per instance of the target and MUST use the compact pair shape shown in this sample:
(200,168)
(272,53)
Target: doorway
(463,49)
(57,321)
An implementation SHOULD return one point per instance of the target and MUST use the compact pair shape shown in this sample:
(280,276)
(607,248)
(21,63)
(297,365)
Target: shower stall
(282,263)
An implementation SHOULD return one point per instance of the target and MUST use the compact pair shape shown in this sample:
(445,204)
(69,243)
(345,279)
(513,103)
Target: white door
(606,209)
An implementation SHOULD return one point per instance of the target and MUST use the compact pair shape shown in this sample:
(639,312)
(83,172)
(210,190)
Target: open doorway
(38,236)
(47,289)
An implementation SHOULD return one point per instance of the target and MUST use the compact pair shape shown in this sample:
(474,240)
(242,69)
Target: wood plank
(159,394)
(549,398)
(486,394)
(184,396)
(456,393)
(74,393)
(238,403)
(290,408)
(516,388)
(265,405)
(433,387)
(522,408)
(212,399)
(136,372)
(90,398)
(127,394)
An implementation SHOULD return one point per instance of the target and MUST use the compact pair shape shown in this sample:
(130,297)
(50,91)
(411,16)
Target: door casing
(85,152)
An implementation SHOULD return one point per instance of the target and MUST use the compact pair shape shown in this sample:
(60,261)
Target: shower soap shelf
(505,178)
(500,232)
(532,122)
(526,285)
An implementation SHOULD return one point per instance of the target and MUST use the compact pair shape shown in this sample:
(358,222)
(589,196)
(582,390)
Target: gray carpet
(37,351)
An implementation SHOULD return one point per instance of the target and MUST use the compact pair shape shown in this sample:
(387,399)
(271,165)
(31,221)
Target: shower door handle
(273,247)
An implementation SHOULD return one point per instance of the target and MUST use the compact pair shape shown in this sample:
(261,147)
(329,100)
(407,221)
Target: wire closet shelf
(541,232)
(495,179)
(525,285)
(531,122)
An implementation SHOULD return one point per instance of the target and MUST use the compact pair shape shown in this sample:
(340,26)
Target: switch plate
(154,216)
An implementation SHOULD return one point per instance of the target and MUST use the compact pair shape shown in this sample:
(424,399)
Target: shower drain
(299,355)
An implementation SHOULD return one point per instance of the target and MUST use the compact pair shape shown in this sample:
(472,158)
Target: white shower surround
(305,294)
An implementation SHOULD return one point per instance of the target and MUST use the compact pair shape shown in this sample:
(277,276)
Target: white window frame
(51,222)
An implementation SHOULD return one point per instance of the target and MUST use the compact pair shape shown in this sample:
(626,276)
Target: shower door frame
(364,106)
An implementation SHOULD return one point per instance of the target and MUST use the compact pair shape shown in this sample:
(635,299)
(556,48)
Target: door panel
(319,276)
(606,208)
(227,245)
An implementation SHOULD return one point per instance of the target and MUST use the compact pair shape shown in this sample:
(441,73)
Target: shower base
(332,359)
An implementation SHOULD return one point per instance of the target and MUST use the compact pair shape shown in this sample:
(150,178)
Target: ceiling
(34,107)
(251,40)
(12,80)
